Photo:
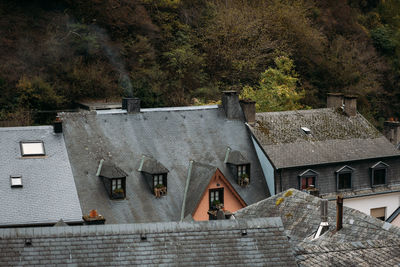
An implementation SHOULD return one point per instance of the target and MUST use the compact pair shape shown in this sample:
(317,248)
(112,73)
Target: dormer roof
(235,157)
(151,166)
(112,171)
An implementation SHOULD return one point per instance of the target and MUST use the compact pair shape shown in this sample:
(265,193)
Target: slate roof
(151,166)
(111,171)
(172,137)
(334,137)
(300,213)
(46,179)
(198,179)
(236,158)
(363,253)
(255,242)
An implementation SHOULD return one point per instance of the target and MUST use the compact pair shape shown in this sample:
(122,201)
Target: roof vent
(324,225)
(16,181)
(306,130)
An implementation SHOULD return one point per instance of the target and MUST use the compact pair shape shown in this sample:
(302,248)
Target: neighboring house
(253,242)
(363,240)
(135,165)
(332,151)
(37,186)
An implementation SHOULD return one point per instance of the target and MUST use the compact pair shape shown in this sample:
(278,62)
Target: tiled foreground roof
(366,253)
(254,242)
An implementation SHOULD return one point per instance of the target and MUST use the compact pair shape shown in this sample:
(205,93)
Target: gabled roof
(335,138)
(48,193)
(199,177)
(300,213)
(172,136)
(111,171)
(151,166)
(235,157)
(255,242)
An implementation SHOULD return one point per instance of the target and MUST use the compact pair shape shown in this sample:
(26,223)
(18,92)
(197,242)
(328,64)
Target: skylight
(32,148)
(16,181)
(306,130)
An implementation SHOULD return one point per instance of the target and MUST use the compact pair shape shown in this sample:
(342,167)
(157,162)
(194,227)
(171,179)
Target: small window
(216,197)
(158,180)
(306,130)
(32,148)
(243,174)
(306,182)
(344,178)
(116,184)
(379,213)
(379,174)
(16,181)
(241,170)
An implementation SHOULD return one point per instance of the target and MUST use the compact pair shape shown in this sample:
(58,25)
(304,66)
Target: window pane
(344,180)
(216,195)
(303,183)
(155,180)
(379,176)
(32,148)
(114,184)
(212,196)
(119,183)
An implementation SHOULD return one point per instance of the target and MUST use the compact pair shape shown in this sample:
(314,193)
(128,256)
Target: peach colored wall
(396,221)
(231,203)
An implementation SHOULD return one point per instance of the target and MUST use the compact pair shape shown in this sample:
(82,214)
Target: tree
(277,88)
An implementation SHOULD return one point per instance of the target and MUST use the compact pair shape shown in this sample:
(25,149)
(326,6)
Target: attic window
(306,130)
(243,174)
(344,178)
(32,148)
(379,174)
(16,181)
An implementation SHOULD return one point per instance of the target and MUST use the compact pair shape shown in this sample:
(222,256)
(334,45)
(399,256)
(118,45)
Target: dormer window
(379,174)
(32,148)
(344,178)
(16,181)
(239,166)
(114,180)
(307,179)
(155,175)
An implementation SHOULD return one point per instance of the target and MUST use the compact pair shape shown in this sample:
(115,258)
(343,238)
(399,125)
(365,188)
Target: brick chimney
(57,125)
(131,105)
(249,110)
(334,100)
(230,103)
(350,105)
(391,129)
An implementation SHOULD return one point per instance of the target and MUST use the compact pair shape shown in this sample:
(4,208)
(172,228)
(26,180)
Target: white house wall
(266,167)
(364,204)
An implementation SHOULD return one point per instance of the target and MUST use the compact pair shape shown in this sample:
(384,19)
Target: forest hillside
(185,52)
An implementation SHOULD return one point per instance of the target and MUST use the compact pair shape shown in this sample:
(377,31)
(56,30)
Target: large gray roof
(256,242)
(300,213)
(172,137)
(48,193)
(334,137)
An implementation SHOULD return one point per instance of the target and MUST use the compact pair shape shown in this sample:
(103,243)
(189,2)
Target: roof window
(306,130)
(32,148)
(16,181)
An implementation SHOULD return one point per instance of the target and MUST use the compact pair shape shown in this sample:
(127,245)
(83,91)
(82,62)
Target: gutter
(367,194)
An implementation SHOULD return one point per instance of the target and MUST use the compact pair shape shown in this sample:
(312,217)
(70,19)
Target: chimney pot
(334,100)
(230,103)
(249,110)
(339,213)
(131,105)
(324,210)
(350,105)
(57,125)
